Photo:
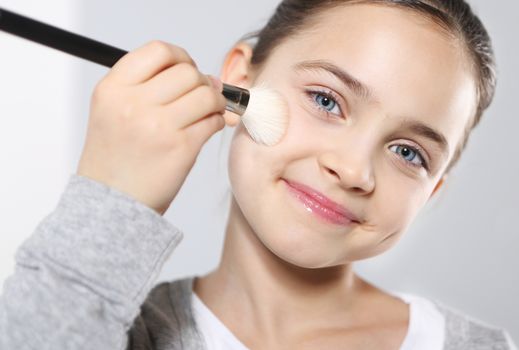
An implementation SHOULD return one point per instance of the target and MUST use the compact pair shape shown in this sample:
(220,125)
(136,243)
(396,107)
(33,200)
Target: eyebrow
(363,91)
(358,88)
(426,131)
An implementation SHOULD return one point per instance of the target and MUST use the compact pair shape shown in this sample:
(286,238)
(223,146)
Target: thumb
(230,118)
(202,130)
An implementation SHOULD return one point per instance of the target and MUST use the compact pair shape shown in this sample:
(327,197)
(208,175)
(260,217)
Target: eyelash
(329,95)
(423,164)
(311,94)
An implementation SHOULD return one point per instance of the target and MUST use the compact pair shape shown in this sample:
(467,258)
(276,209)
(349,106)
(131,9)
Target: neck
(273,295)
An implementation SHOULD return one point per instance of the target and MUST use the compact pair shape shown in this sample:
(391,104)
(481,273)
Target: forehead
(414,68)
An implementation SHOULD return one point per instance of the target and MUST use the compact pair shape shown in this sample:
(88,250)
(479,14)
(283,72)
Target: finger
(215,82)
(231,119)
(146,61)
(201,102)
(202,130)
(174,82)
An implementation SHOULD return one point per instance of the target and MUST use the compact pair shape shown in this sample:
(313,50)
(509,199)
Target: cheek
(306,133)
(241,154)
(247,156)
(253,169)
(398,201)
(300,132)
(250,182)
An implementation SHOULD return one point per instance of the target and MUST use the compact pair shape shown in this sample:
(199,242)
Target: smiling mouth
(319,205)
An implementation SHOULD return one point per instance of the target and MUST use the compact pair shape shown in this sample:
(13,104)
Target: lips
(322,205)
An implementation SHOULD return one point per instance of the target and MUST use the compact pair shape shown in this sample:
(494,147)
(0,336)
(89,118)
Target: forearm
(81,277)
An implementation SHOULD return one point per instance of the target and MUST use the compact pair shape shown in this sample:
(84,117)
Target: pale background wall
(38,116)
(461,250)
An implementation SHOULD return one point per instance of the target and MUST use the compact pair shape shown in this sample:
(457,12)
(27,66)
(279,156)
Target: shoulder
(176,291)
(165,317)
(465,331)
(458,329)
(170,300)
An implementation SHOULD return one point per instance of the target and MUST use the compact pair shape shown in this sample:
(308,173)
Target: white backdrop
(461,250)
(38,116)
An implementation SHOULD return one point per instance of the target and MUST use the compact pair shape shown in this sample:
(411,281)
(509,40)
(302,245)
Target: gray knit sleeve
(509,341)
(82,276)
(464,331)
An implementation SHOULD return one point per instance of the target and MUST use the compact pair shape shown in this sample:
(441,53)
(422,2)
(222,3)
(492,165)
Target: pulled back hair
(454,16)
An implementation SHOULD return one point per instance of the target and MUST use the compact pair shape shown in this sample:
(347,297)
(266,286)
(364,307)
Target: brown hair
(454,16)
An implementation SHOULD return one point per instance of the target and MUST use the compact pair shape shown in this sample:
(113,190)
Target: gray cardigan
(85,279)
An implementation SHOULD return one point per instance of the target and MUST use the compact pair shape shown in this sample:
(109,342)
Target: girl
(382,95)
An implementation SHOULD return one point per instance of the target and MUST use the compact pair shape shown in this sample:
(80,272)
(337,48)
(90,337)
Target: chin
(296,248)
(314,249)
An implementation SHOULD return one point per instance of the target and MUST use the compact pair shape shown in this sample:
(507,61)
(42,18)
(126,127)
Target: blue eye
(325,102)
(409,154)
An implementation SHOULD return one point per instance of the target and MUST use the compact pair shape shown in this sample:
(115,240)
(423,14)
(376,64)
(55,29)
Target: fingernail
(216,83)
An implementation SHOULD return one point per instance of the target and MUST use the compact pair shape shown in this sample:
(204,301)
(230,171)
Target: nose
(352,169)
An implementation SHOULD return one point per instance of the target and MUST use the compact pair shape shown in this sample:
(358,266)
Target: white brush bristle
(266,117)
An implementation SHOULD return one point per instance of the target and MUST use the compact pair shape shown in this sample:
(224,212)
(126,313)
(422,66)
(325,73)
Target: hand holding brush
(153,111)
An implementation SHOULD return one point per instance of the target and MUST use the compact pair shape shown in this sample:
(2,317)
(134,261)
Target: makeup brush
(262,110)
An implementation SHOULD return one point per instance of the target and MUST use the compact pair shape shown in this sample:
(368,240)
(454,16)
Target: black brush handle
(59,39)
(91,50)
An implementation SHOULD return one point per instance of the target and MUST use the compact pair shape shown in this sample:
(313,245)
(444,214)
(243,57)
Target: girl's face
(378,154)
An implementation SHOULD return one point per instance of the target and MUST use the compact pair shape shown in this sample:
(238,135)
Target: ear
(236,71)
(438,185)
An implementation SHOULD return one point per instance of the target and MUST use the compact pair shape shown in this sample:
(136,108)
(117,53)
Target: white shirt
(426,326)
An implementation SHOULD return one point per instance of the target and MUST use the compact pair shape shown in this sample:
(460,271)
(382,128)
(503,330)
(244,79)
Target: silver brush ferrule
(237,98)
